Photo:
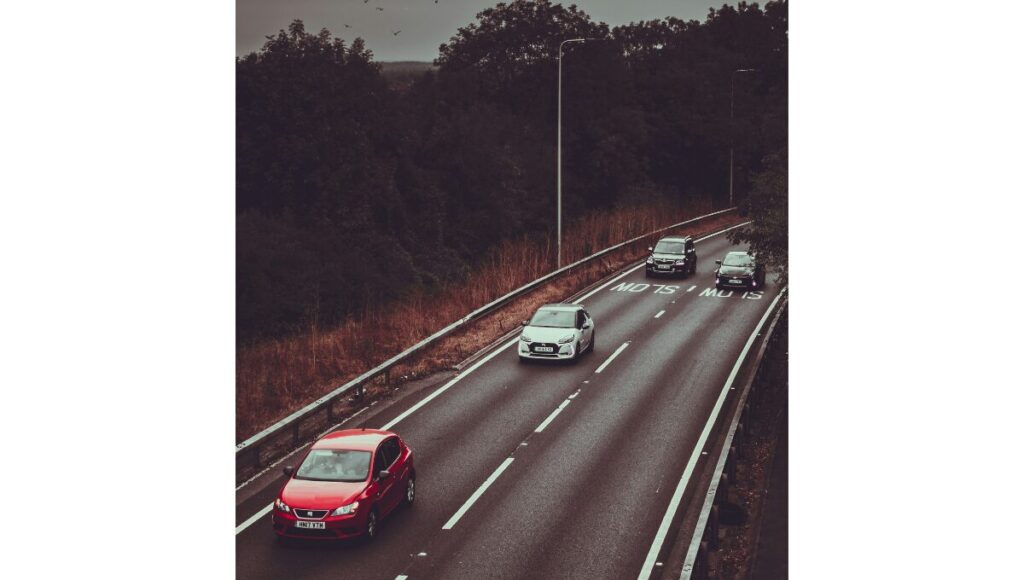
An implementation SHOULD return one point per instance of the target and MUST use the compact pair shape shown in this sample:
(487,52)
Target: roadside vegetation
(278,376)
(374,207)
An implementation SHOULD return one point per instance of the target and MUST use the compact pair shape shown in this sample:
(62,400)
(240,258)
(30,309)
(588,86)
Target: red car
(346,484)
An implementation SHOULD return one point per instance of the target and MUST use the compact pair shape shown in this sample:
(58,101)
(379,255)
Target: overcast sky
(424,24)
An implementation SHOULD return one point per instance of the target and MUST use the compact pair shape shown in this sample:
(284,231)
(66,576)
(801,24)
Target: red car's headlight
(280,505)
(346,509)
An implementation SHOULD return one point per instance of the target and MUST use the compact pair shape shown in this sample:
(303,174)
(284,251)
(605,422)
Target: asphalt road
(585,496)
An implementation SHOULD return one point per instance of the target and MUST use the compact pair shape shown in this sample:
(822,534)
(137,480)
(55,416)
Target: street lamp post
(560,144)
(732,100)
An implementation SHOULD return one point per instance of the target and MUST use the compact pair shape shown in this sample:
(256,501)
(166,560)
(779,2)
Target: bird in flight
(348,26)
(379,9)
(396,33)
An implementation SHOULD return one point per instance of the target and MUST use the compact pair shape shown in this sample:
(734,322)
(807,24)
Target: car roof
(742,253)
(353,439)
(674,239)
(561,307)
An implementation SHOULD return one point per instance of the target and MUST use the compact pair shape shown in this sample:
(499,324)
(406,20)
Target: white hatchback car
(557,331)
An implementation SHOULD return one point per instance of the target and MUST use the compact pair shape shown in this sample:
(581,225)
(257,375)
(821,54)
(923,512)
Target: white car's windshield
(664,247)
(335,465)
(738,260)
(554,319)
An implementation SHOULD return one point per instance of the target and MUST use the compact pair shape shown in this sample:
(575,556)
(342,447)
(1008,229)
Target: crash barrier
(284,436)
(704,539)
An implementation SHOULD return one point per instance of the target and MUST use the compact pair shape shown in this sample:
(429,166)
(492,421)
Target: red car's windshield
(335,465)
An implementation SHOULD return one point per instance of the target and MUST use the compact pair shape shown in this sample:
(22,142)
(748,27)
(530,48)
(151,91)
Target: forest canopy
(351,193)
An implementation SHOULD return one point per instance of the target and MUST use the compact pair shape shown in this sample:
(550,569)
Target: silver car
(557,331)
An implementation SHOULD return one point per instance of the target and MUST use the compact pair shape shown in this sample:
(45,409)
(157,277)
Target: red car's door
(385,486)
(392,488)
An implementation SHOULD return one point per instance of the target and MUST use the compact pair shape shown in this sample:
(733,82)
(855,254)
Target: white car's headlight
(346,509)
(650,260)
(566,338)
(680,262)
(525,338)
(281,506)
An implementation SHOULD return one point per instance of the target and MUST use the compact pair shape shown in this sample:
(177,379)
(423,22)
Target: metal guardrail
(695,563)
(292,423)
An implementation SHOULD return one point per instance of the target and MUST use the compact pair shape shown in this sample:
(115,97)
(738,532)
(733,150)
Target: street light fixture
(560,144)
(732,100)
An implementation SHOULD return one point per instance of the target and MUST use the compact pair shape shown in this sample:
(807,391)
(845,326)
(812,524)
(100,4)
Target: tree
(768,205)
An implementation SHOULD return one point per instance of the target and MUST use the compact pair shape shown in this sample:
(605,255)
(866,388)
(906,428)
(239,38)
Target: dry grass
(276,377)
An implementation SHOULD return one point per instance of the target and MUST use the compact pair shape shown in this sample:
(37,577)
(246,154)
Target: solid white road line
(253,519)
(658,315)
(673,504)
(438,392)
(611,358)
(476,494)
(551,417)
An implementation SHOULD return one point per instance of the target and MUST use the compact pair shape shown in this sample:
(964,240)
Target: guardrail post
(722,494)
(330,412)
(295,432)
(730,463)
(712,527)
(701,564)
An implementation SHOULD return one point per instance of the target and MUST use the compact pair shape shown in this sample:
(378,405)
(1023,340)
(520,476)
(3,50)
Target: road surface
(572,466)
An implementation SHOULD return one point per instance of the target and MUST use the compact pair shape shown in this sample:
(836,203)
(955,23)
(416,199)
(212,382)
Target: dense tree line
(350,193)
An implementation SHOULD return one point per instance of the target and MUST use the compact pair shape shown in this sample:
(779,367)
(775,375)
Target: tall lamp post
(732,100)
(560,144)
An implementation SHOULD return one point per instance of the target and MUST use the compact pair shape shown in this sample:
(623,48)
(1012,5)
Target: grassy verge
(279,376)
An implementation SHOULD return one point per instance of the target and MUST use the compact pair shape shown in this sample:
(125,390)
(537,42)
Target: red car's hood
(304,493)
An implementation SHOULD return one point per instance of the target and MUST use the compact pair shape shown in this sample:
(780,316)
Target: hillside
(401,74)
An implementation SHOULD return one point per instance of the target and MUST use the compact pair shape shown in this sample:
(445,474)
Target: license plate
(663,267)
(310,525)
(544,349)
(734,282)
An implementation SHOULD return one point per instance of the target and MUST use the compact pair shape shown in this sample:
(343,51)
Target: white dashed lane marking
(611,358)
(476,494)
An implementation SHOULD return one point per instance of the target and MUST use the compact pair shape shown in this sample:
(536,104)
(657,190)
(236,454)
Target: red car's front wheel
(371,526)
(410,491)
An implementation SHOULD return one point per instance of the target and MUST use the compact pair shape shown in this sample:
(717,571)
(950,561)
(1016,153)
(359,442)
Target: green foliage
(768,204)
(353,189)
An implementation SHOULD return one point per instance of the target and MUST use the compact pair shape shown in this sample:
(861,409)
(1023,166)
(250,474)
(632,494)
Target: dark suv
(672,255)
